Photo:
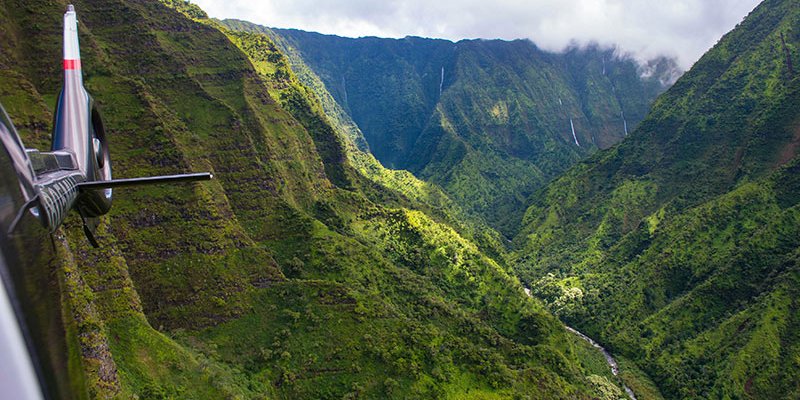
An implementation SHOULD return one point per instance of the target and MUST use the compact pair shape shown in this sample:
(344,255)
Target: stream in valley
(609,359)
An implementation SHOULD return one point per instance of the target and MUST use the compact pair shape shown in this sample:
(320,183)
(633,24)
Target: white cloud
(681,28)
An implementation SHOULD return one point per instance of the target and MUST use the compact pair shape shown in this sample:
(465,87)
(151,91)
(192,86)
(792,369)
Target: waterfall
(572,126)
(344,91)
(441,82)
(624,123)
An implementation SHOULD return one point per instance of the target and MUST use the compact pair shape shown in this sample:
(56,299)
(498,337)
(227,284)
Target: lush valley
(489,121)
(678,248)
(307,269)
(298,272)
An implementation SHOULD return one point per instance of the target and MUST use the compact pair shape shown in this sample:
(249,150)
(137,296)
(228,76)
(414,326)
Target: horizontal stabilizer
(114,183)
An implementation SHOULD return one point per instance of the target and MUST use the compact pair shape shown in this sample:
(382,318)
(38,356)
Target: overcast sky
(684,29)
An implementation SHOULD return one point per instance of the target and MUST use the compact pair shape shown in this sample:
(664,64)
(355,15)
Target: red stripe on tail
(72,64)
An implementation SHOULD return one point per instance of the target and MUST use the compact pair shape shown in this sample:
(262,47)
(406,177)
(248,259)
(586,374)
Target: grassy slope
(678,247)
(283,277)
(496,132)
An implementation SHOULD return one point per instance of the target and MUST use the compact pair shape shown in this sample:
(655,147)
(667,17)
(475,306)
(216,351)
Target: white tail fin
(72,52)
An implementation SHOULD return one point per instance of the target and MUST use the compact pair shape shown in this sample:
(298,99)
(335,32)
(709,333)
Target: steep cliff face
(679,247)
(293,274)
(489,121)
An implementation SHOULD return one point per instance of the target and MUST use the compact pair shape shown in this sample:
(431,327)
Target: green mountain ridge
(307,269)
(489,121)
(293,274)
(678,248)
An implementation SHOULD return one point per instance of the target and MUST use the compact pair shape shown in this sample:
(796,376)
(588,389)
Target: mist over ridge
(683,29)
